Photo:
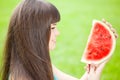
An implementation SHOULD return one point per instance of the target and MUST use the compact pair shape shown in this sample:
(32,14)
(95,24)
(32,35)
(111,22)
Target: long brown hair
(26,55)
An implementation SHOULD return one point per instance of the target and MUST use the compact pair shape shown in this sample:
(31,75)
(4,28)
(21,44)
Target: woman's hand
(111,28)
(94,70)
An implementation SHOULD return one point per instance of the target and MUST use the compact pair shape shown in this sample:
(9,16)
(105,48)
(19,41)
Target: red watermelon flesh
(100,45)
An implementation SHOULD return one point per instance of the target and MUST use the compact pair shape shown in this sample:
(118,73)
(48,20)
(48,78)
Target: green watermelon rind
(112,49)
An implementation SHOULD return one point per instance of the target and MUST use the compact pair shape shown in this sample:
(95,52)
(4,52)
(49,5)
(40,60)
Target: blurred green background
(74,28)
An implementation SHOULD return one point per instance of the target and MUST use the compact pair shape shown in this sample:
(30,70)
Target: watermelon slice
(101,44)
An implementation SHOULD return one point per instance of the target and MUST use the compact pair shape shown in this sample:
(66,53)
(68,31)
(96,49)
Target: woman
(27,52)
(32,33)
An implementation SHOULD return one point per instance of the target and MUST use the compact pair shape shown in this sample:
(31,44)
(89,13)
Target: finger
(115,33)
(88,68)
(93,67)
(103,20)
(116,36)
(113,30)
(108,24)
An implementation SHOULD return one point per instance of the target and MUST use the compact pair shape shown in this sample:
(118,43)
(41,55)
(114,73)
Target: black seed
(89,53)
(101,49)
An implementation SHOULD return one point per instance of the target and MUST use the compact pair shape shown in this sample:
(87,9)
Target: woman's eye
(53,28)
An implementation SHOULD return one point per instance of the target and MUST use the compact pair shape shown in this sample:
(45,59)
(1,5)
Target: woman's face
(54,34)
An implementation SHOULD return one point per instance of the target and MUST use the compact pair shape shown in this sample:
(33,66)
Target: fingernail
(116,36)
(113,30)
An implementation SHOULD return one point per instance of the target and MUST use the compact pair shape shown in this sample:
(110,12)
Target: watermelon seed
(102,49)
(109,37)
(89,53)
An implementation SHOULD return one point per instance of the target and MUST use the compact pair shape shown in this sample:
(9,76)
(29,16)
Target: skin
(54,34)
(93,72)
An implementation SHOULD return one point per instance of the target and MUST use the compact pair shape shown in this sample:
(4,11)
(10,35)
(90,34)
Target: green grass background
(74,27)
